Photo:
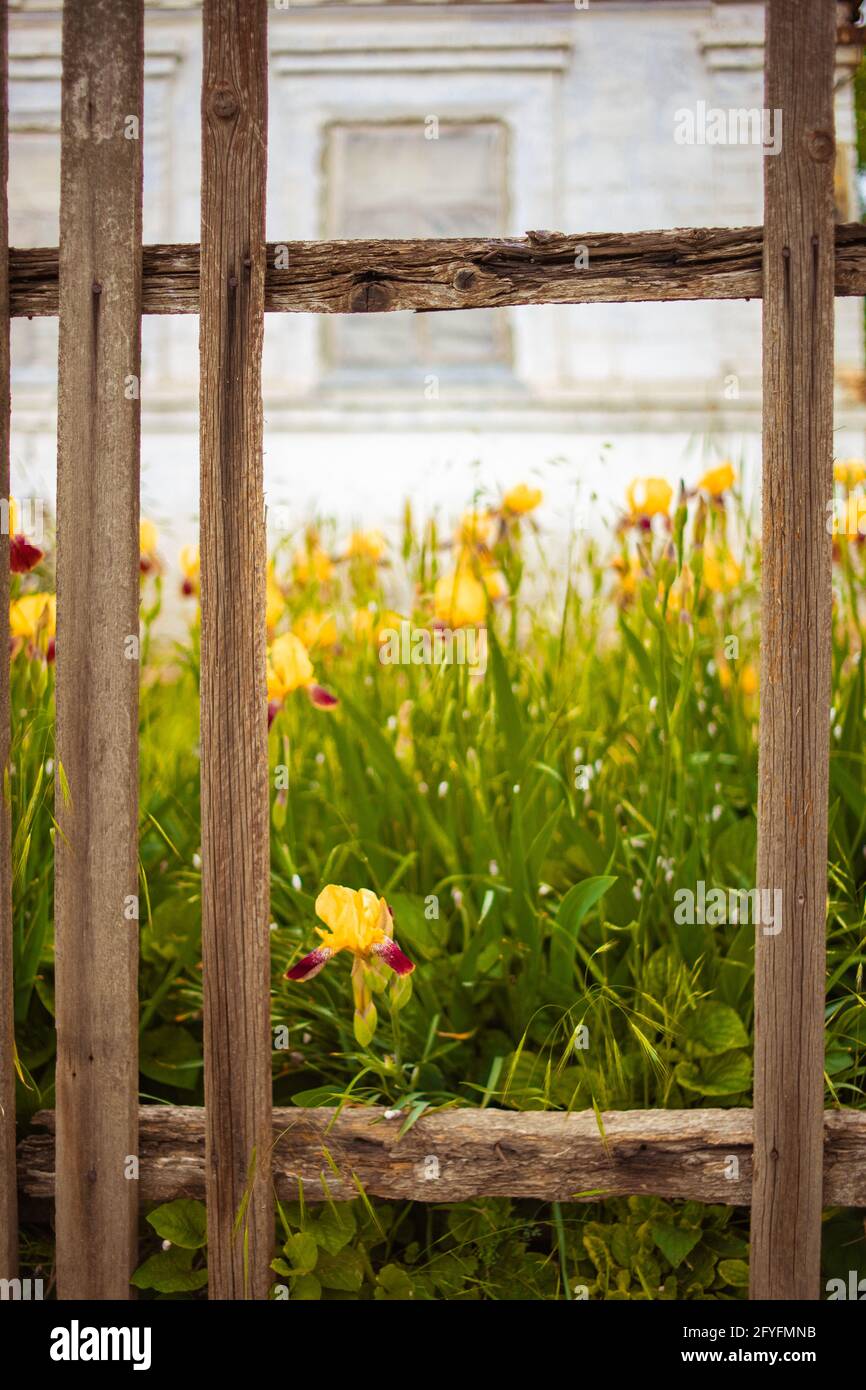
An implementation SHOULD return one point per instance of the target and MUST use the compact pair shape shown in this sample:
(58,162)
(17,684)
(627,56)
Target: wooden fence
(794,1157)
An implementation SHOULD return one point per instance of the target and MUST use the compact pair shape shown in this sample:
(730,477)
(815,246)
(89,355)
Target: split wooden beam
(234,736)
(355,277)
(796,600)
(458,1155)
(96,781)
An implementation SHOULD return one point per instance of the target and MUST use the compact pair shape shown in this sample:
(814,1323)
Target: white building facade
(446,121)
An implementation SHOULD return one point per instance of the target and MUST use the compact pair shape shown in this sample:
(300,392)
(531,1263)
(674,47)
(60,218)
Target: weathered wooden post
(234,747)
(795,650)
(8,1188)
(96,846)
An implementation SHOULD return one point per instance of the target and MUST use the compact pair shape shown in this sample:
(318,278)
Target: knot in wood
(371,297)
(223,102)
(464,279)
(820,145)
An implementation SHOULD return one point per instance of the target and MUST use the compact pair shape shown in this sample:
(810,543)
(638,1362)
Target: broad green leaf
(302,1252)
(344,1271)
(726,1075)
(169,1272)
(674,1242)
(335,1227)
(393,1283)
(734,1272)
(306,1288)
(171,1055)
(183,1222)
(714,1028)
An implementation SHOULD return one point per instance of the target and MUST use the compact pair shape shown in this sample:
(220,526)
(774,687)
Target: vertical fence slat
(97,668)
(795,651)
(234,790)
(8,1186)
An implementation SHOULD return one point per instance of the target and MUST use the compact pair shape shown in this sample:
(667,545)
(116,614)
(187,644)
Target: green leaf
(571,911)
(306,1288)
(171,1055)
(335,1227)
(316,1096)
(726,1075)
(302,1252)
(734,851)
(183,1222)
(734,1272)
(625,1245)
(415,932)
(344,1271)
(393,1283)
(674,1242)
(507,712)
(640,654)
(713,1028)
(168,1272)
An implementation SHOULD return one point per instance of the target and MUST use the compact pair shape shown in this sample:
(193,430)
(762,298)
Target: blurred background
(435,121)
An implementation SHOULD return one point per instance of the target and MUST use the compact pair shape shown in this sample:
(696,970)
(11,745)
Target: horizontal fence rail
(357,277)
(458,1155)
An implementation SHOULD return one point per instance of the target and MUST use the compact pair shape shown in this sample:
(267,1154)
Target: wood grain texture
(8,1196)
(350,277)
(234,762)
(795,651)
(97,682)
(549,1156)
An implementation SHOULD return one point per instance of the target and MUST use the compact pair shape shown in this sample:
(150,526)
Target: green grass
(530,828)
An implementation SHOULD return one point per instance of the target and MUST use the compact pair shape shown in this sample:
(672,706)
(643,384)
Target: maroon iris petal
(274,708)
(310,965)
(393,956)
(23,556)
(322,698)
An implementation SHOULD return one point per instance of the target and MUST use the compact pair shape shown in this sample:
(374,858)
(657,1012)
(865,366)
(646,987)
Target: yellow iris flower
(289,666)
(355,920)
(649,497)
(366,545)
(316,630)
(522,499)
(33,615)
(477,529)
(190,564)
(313,564)
(717,481)
(849,472)
(721,571)
(148,539)
(460,600)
